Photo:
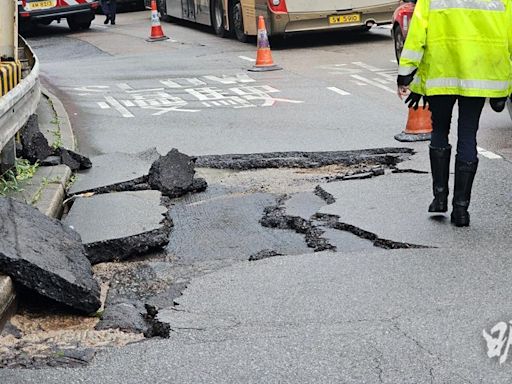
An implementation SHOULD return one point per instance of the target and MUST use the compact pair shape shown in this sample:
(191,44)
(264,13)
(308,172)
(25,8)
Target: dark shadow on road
(303,40)
(325,39)
(56,28)
(439,218)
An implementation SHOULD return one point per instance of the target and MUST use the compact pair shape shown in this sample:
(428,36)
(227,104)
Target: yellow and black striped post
(10,75)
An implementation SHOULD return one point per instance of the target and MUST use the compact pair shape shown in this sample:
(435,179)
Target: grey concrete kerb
(46,191)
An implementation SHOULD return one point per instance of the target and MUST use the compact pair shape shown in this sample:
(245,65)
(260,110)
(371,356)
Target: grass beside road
(10,180)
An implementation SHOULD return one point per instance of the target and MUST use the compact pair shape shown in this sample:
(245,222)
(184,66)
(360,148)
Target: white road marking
(488,154)
(368,81)
(360,83)
(390,76)
(394,61)
(382,81)
(128,103)
(338,91)
(247,58)
(367,66)
(103,105)
(117,105)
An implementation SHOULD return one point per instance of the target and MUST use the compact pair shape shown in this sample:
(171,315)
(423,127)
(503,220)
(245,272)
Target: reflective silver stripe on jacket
(493,5)
(411,55)
(405,70)
(468,84)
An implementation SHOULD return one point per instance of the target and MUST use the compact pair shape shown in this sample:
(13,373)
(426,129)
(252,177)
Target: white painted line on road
(390,76)
(117,105)
(368,67)
(338,91)
(488,154)
(128,103)
(360,83)
(206,104)
(368,81)
(394,61)
(171,41)
(247,58)
(103,105)
(382,81)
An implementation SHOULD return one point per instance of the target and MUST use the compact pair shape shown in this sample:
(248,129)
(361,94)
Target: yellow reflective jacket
(460,47)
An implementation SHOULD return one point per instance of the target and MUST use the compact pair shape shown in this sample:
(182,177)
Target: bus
(239,17)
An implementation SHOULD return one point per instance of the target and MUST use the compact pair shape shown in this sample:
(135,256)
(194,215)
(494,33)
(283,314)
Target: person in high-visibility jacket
(457,51)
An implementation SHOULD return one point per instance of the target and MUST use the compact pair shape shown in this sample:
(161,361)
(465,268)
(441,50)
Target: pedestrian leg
(106,10)
(440,150)
(466,163)
(113,11)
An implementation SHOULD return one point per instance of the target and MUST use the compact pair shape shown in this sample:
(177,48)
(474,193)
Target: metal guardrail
(19,103)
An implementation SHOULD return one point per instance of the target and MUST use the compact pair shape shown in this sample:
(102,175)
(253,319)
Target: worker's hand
(403,90)
(414,100)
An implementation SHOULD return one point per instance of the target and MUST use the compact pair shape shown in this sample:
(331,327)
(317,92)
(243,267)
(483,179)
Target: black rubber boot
(106,20)
(440,166)
(464,175)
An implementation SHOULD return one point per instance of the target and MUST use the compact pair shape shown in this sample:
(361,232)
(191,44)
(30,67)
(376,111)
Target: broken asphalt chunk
(44,255)
(173,175)
(74,160)
(34,146)
(116,226)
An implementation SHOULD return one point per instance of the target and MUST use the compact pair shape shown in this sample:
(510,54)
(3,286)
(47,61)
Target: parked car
(401,21)
(78,13)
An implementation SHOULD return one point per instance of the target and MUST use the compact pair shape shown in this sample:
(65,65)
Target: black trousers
(470,110)
(109,8)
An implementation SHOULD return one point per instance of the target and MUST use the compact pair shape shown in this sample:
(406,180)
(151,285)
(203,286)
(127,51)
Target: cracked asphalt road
(359,315)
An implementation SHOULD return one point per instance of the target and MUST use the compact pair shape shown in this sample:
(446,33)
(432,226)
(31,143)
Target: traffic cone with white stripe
(264,61)
(157,34)
(419,126)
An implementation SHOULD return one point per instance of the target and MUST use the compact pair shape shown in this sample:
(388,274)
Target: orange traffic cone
(419,126)
(264,60)
(157,34)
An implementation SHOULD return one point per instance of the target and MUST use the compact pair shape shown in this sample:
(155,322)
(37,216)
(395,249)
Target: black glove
(414,100)
(402,80)
(498,104)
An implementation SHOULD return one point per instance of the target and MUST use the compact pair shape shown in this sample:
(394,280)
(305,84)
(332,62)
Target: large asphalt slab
(394,207)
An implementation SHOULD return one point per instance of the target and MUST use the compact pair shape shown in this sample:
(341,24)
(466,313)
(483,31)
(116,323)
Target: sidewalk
(46,190)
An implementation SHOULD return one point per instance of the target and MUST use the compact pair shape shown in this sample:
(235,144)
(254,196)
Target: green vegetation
(23,170)
(56,133)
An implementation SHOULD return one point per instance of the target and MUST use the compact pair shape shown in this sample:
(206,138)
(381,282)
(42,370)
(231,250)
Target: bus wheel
(217,15)
(237,21)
